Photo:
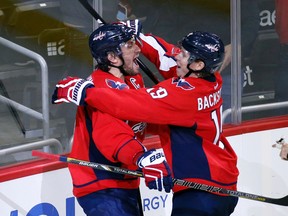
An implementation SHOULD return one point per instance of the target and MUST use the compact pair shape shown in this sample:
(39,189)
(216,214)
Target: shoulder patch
(182,83)
(116,84)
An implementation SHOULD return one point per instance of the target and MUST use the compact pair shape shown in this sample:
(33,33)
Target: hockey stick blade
(101,21)
(208,188)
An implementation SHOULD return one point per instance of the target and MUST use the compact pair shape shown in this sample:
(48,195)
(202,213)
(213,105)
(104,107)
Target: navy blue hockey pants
(201,203)
(112,202)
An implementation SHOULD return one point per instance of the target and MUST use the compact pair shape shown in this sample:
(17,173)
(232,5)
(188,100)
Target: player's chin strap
(190,71)
(200,73)
(120,68)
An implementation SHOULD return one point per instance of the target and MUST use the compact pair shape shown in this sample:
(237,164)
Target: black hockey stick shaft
(91,10)
(100,20)
(208,188)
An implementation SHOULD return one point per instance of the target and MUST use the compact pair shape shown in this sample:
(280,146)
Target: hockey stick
(101,21)
(208,188)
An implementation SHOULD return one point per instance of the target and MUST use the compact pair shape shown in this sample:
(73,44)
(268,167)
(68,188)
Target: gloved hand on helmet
(136,25)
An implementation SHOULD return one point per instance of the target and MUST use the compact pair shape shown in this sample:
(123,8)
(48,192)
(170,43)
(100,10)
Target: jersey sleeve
(160,53)
(115,139)
(154,105)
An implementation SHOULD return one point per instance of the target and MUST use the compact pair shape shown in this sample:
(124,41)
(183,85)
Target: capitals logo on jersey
(139,127)
(182,83)
(116,84)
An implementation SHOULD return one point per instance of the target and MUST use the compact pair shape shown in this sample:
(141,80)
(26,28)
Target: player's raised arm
(154,104)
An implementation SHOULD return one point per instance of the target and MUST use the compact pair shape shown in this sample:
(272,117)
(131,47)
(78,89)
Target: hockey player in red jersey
(191,105)
(102,138)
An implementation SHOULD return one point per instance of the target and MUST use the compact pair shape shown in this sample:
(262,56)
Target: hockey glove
(136,25)
(156,171)
(71,89)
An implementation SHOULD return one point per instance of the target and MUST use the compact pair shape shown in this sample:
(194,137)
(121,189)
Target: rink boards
(44,188)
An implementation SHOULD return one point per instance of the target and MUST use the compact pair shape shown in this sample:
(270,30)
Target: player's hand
(71,89)
(281,144)
(135,24)
(156,171)
(284,152)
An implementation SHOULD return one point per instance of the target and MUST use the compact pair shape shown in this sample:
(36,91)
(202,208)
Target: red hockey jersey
(192,107)
(99,137)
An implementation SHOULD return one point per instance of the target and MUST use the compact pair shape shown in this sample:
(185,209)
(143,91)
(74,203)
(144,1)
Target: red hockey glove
(156,171)
(71,89)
